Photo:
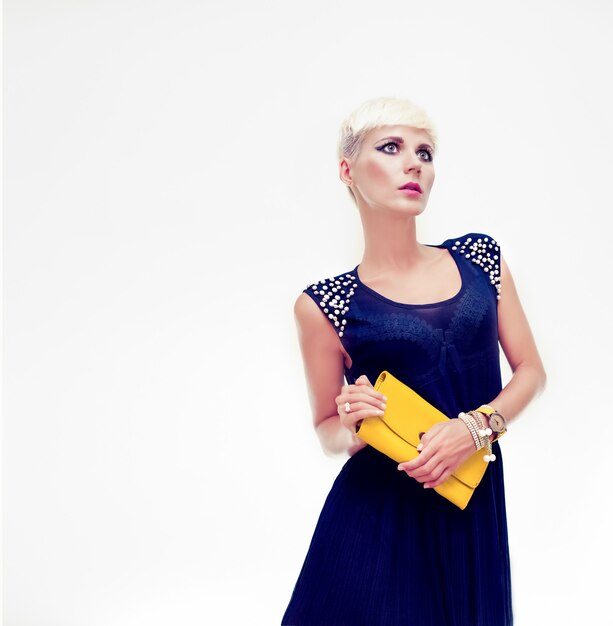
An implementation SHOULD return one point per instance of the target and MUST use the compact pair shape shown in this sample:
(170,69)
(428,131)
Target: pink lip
(412,185)
(413,193)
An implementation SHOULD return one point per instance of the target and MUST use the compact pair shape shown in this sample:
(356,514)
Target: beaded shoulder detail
(334,296)
(484,252)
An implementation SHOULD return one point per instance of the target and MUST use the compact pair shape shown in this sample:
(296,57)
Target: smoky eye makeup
(426,148)
(421,148)
(383,147)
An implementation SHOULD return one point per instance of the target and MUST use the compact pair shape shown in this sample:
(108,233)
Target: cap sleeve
(333,296)
(484,251)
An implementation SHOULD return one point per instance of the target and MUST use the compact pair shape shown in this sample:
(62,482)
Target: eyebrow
(401,140)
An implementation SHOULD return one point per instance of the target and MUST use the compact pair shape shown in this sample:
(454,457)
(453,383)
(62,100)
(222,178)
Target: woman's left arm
(447,445)
(529,377)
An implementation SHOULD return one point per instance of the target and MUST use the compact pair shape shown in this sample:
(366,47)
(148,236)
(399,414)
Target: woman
(387,548)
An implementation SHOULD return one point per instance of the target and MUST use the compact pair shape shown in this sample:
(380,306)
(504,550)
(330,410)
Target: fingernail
(426,486)
(420,446)
(400,468)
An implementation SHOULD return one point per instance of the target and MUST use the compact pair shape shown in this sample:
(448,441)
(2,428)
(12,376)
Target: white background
(170,187)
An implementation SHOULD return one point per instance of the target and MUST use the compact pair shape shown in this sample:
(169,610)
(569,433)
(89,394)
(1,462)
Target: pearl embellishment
(482,252)
(335,294)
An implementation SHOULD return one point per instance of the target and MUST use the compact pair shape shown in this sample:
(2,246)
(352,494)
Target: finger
(426,453)
(365,385)
(416,464)
(410,466)
(430,471)
(444,476)
(354,404)
(420,445)
(366,406)
(359,412)
(375,399)
(431,437)
(354,401)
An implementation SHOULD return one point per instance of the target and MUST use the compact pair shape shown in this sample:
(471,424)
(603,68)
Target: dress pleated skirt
(387,552)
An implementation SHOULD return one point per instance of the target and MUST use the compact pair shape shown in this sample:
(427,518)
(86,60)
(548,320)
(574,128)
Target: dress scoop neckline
(425,304)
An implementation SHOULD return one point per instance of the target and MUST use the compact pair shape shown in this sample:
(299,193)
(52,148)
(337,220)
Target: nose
(412,162)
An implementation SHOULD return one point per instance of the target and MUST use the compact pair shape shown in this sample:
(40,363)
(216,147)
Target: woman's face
(390,157)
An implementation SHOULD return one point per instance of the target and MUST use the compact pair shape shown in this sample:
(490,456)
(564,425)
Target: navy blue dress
(386,551)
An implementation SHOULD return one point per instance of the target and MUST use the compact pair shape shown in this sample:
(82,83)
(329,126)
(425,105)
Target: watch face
(497,422)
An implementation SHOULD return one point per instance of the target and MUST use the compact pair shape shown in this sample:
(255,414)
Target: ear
(345,172)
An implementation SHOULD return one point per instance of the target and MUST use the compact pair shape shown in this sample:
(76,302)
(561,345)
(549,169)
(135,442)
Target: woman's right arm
(323,362)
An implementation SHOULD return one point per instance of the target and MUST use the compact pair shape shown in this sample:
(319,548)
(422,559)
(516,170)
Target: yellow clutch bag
(396,434)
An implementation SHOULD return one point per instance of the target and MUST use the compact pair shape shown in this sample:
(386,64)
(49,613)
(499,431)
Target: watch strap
(488,410)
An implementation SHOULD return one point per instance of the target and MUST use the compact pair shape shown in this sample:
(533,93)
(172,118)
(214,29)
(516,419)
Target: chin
(413,207)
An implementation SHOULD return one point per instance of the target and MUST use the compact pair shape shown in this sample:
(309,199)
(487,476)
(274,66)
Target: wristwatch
(497,421)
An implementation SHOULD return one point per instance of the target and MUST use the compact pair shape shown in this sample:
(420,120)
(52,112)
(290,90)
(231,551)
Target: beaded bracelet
(472,427)
(480,432)
(485,432)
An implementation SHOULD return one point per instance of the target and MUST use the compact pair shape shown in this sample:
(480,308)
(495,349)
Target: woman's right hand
(363,401)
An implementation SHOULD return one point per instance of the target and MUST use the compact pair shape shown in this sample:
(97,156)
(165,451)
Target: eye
(428,152)
(423,150)
(389,143)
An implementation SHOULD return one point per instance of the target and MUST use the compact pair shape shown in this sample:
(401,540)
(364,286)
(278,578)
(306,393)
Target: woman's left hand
(446,446)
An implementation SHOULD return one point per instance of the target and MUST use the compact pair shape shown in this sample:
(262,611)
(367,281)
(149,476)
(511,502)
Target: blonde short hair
(383,111)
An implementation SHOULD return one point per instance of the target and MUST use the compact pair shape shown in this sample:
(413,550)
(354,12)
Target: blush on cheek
(376,172)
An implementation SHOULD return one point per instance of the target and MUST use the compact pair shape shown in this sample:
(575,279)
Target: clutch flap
(407,414)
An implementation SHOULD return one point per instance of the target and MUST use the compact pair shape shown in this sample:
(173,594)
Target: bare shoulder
(305,307)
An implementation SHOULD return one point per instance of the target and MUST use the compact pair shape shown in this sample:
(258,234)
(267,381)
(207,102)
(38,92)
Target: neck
(390,242)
